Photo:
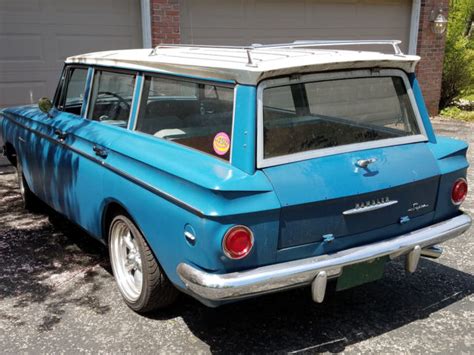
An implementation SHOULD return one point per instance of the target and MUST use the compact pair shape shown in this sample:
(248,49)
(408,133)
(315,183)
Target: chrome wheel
(126,260)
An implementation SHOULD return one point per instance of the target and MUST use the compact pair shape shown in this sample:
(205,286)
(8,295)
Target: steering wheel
(117,108)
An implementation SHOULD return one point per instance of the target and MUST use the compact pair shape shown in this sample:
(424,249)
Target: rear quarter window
(193,114)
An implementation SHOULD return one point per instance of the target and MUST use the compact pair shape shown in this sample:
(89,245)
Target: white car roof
(249,65)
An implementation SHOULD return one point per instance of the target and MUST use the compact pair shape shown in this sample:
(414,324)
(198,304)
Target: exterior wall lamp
(439,23)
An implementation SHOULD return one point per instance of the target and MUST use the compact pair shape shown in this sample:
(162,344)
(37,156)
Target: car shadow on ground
(41,254)
(291,322)
(45,251)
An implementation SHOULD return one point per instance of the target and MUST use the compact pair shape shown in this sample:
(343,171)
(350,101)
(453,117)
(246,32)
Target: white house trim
(146,23)
(414,26)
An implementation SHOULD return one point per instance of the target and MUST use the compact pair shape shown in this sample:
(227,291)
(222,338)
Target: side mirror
(45,105)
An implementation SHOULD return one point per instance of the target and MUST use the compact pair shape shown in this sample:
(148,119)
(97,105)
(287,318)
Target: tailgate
(332,197)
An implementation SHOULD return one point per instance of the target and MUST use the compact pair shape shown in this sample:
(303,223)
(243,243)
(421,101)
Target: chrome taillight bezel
(229,253)
(459,180)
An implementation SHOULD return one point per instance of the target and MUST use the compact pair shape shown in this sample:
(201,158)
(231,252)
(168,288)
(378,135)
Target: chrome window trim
(133,97)
(136,100)
(232,135)
(317,153)
(89,94)
(60,87)
(139,101)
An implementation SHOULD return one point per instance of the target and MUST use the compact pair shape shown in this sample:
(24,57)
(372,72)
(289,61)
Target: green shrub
(457,113)
(458,69)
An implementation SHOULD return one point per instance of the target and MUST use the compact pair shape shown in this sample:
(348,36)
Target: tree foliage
(458,69)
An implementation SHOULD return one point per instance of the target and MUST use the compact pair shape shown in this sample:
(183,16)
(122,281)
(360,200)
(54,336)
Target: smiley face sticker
(221,143)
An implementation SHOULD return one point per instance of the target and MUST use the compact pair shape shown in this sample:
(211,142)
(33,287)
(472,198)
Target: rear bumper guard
(317,270)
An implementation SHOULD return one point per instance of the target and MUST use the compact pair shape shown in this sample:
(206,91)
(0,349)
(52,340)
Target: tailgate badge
(370,205)
(416,207)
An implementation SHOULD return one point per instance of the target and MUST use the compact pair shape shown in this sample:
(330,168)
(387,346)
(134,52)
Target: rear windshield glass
(323,114)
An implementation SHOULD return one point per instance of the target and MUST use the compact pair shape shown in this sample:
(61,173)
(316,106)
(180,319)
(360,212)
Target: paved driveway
(57,294)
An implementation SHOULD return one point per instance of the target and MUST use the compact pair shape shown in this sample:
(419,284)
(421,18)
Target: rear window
(193,114)
(323,114)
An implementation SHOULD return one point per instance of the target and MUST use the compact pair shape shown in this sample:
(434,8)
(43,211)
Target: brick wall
(165,21)
(431,50)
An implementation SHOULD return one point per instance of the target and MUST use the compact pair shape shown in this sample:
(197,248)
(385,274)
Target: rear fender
(450,155)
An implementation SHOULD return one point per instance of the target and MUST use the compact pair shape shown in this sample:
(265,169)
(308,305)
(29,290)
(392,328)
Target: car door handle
(99,151)
(60,134)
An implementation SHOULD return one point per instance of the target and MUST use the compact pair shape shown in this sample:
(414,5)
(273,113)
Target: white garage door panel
(20,47)
(37,35)
(19,5)
(22,91)
(268,21)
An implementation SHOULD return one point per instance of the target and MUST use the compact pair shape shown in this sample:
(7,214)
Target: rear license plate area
(359,274)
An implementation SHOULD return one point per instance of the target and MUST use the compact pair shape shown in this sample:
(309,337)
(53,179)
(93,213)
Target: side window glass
(281,100)
(111,98)
(74,92)
(278,107)
(193,114)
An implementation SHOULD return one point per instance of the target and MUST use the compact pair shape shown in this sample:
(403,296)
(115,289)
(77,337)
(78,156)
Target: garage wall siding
(273,21)
(37,35)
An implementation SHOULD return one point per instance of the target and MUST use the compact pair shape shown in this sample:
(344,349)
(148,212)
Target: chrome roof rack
(296,44)
(335,43)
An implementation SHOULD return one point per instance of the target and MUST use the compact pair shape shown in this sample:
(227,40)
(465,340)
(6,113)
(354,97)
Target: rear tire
(140,279)
(29,200)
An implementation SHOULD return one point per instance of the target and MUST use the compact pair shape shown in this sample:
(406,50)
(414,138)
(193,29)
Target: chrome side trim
(273,278)
(369,208)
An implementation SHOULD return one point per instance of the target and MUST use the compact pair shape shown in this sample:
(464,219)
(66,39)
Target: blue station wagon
(231,172)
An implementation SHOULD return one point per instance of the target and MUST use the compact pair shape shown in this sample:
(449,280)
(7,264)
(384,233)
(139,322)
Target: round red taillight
(459,191)
(237,242)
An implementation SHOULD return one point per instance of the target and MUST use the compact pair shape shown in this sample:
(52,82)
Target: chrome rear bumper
(273,278)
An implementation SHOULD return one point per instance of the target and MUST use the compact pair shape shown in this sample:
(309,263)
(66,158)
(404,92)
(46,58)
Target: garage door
(37,35)
(271,21)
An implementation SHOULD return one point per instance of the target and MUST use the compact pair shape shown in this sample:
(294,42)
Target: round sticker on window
(221,143)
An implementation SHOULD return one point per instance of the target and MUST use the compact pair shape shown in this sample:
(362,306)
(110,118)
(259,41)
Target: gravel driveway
(57,294)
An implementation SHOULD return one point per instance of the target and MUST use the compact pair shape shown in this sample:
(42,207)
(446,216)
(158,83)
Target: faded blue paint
(450,153)
(420,102)
(292,209)
(244,134)
(337,176)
